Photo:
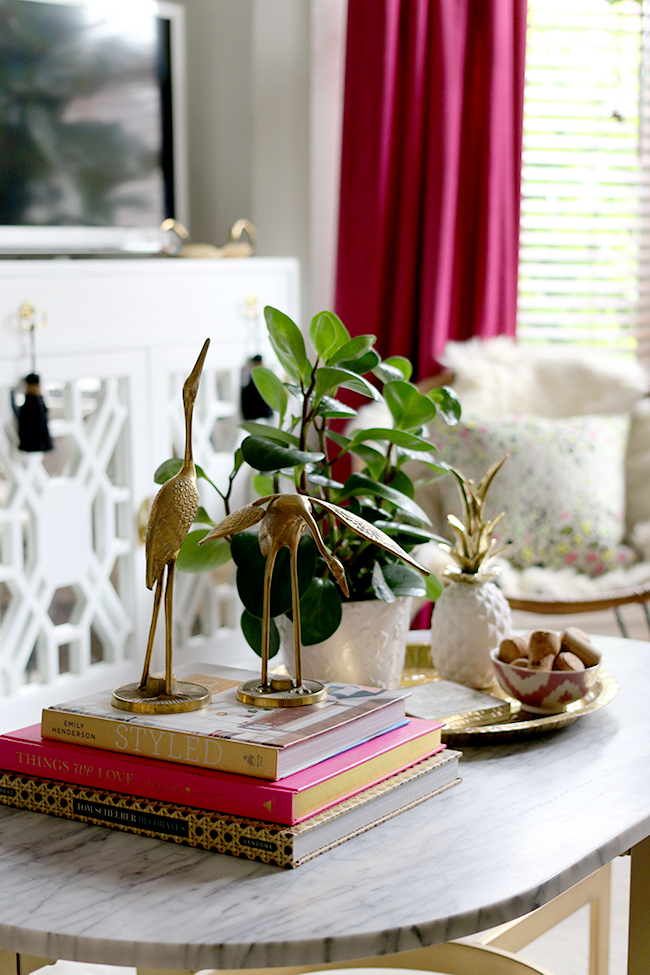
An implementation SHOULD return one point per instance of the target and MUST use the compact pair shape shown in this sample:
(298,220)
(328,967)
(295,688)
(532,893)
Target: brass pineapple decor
(472,615)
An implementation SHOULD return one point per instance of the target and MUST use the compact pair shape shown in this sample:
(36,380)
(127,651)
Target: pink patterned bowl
(544,691)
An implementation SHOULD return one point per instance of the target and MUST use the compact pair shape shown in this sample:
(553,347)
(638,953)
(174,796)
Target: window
(583,199)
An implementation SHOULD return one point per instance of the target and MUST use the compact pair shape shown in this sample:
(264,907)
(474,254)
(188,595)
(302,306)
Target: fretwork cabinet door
(121,337)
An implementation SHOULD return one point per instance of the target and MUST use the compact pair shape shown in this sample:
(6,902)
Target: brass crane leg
(152,629)
(295,606)
(151,696)
(266,611)
(169,592)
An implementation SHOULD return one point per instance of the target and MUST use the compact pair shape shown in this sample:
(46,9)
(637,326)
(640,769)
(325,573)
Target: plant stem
(332,530)
(304,424)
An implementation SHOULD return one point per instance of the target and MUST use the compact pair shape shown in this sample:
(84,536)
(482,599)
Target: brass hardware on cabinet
(252,308)
(30,317)
(142,518)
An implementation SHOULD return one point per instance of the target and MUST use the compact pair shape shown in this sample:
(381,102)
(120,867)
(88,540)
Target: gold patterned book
(228,735)
(253,839)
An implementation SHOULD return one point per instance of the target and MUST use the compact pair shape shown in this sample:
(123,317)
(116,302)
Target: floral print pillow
(562,487)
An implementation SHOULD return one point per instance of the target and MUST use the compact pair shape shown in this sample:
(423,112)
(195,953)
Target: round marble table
(529,820)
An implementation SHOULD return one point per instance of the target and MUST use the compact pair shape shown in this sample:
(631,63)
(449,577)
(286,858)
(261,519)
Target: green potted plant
(300,450)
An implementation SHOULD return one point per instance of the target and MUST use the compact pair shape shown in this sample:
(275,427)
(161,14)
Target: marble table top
(529,820)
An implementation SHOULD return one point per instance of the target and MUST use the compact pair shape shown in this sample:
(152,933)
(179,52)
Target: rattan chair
(544,604)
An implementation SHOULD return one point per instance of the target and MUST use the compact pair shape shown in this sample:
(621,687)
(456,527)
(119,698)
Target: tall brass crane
(172,514)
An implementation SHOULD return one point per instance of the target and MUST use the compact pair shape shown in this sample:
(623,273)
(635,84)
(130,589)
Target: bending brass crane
(172,515)
(282,524)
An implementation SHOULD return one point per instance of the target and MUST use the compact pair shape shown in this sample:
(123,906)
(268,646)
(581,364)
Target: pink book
(287,801)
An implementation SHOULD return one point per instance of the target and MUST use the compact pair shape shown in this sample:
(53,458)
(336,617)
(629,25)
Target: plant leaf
(447,403)
(315,478)
(400,363)
(380,587)
(323,334)
(330,407)
(250,573)
(373,459)
(168,468)
(251,627)
(399,437)
(263,485)
(323,321)
(193,558)
(359,484)
(434,587)
(320,611)
(329,379)
(353,349)
(401,482)
(362,365)
(271,389)
(386,373)
(339,439)
(404,581)
(288,343)
(414,533)
(403,453)
(203,518)
(270,433)
(409,408)
(268,455)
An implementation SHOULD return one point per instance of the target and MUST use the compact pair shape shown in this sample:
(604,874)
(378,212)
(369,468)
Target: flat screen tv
(92,125)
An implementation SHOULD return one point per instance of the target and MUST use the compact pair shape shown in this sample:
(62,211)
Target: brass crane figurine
(282,524)
(172,514)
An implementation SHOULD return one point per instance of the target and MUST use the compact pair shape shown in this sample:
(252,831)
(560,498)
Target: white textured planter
(469,620)
(368,648)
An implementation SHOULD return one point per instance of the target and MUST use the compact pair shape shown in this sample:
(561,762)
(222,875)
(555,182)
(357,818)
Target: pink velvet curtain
(430,174)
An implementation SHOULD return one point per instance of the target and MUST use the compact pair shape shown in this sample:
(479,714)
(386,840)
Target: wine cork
(566,660)
(580,633)
(579,643)
(543,647)
(512,648)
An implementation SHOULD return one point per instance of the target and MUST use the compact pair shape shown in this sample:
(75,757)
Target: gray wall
(248,66)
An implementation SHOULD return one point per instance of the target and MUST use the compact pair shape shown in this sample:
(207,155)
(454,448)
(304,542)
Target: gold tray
(522,723)
(462,730)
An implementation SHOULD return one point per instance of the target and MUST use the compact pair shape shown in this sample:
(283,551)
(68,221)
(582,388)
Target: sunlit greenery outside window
(584,194)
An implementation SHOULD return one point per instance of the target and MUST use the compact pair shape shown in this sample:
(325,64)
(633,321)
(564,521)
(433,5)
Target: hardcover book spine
(152,780)
(129,738)
(221,833)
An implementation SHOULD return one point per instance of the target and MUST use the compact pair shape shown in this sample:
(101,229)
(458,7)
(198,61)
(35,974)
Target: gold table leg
(14,964)
(638,960)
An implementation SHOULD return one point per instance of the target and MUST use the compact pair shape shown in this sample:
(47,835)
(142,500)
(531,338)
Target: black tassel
(253,407)
(33,432)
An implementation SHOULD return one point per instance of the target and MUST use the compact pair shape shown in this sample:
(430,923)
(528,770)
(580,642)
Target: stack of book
(276,785)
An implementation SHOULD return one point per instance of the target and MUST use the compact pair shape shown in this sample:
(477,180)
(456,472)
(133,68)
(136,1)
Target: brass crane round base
(281,692)
(151,699)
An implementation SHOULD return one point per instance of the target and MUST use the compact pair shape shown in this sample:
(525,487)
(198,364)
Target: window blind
(584,201)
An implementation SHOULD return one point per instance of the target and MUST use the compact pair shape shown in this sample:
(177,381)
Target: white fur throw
(497,376)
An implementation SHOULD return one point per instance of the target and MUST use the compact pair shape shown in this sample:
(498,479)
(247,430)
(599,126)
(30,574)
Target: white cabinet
(121,337)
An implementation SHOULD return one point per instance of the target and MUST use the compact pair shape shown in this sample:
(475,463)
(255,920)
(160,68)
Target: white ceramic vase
(368,648)
(469,620)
